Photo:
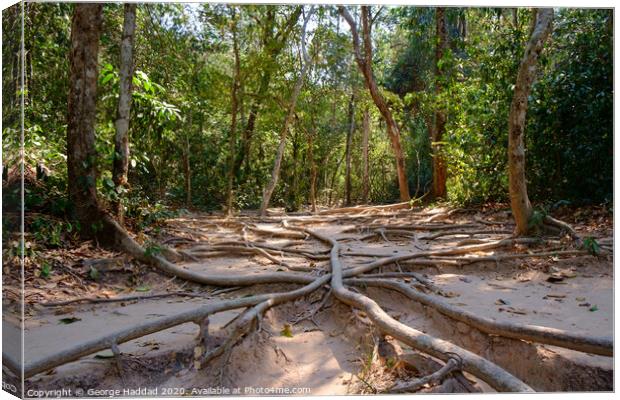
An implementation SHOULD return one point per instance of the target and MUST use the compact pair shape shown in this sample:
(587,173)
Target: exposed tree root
(500,257)
(497,377)
(539,334)
(464,232)
(96,300)
(453,364)
(257,305)
(389,207)
(151,326)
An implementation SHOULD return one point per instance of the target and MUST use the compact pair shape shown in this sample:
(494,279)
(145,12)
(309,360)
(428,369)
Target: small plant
(536,220)
(46,270)
(591,246)
(152,250)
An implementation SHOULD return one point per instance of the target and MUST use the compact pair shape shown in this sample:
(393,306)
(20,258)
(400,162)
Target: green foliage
(152,249)
(182,108)
(591,246)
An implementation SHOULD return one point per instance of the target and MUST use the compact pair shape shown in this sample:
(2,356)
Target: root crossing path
(390,282)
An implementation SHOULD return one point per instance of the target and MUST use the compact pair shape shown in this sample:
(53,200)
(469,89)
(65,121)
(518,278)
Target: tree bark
(365,138)
(233,119)
(364,61)
(439,165)
(275,174)
(519,200)
(187,171)
(313,171)
(347,176)
(121,140)
(81,116)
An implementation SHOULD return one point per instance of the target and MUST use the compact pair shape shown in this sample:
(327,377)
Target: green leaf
(107,78)
(144,288)
(593,308)
(46,269)
(286,331)
(93,273)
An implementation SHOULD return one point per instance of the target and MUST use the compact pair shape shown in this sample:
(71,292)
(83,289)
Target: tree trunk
(439,165)
(365,138)
(275,173)
(347,176)
(187,171)
(121,140)
(233,119)
(81,154)
(365,64)
(519,200)
(313,171)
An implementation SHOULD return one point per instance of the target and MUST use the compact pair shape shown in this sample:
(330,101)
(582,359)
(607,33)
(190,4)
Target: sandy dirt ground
(332,352)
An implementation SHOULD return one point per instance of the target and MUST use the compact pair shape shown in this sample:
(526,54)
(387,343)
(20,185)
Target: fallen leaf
(580,298)
(105,354)
(69,320)
(553,278)
(502,301)
(286,331)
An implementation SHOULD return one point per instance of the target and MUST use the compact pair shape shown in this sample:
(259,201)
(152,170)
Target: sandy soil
(328,355)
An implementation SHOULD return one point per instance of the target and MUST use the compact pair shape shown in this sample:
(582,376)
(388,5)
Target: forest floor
(316,342)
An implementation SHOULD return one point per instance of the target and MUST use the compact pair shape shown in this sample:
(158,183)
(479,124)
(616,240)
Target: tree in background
(519,201)
(364,61)
(439,129)
(121,139)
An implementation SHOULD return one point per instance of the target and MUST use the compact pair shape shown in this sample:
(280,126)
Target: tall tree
(273,42)
(81,154)
(439,164)
(275,174)
(121,140)
(365,139)
(364,61)
(233,116)
(519,200)
(348,150)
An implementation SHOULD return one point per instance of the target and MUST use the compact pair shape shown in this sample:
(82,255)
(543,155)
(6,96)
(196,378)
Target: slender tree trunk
(519,200)
(275,174)
(365,139)
(121,140)
(81,154)
(313,171)
(439,165)
(333,179)
(233,120)
(365,64)
(347,176)
(187,171)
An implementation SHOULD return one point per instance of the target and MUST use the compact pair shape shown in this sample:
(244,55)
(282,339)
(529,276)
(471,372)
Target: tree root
(152,326)
(96,300)
(533,333)
(497,377)
(347,210)
(453,364)
(468,233)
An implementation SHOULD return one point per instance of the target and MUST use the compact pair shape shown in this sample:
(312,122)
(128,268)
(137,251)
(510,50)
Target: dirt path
(332,352)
